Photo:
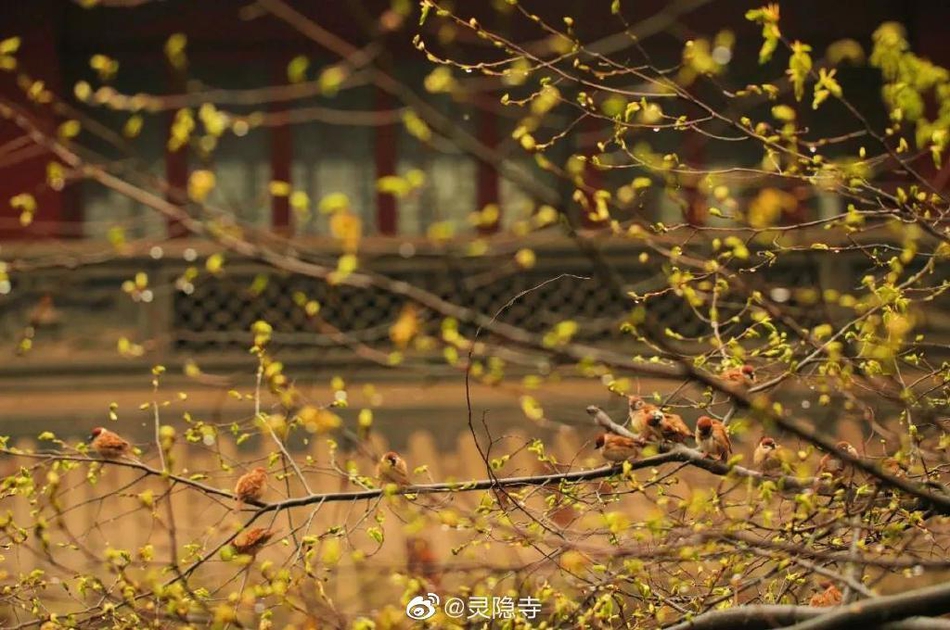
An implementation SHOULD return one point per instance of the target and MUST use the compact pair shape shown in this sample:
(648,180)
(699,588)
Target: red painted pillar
(384,156)
(487,174)
(176,161)
(281,157)
(593,177)
(23,170)
(930,41)
(176,174)
(697,208)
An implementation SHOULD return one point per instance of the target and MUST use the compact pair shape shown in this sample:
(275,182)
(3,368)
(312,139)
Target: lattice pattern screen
(219,312)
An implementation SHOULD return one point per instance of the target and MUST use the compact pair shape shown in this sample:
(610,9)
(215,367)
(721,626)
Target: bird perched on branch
(393,469)
(894,467)
(832,465)
(742,376)
(767,456)
(667,427)
(713,439)
(638,412)
(110,445)
(617,448)
(830,596)
(251,541)
(421,561)
(250,486)
(45,314)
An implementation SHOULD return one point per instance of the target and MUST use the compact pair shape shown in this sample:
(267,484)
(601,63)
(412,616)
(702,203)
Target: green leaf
(376,534)
(799,65)
(297,69)
(425,12)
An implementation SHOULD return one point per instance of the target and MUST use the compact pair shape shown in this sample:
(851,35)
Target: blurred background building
(339,139)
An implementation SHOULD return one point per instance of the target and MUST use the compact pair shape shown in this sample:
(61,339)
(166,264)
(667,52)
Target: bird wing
(112,441)
(624,441)
(725,436)
(676,422)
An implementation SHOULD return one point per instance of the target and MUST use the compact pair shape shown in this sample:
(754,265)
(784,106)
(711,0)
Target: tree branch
(927,601)
(765,617)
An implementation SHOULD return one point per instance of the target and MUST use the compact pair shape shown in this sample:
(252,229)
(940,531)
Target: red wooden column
(930,41)
(487,173)
(176,162)
(176,174)
(593,177)
(697,210)
(281,158)
(23,170)
(384,155)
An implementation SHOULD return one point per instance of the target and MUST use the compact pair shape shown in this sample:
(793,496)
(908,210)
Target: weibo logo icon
(422,607)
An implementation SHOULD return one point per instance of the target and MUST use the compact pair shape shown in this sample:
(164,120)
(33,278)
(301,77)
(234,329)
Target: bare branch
(765,617)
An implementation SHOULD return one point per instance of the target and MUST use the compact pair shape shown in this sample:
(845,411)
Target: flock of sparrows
(250,487)
(653,425)
(646,420)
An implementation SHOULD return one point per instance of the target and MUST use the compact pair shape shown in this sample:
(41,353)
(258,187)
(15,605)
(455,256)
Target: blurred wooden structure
(235,48)
(123,511)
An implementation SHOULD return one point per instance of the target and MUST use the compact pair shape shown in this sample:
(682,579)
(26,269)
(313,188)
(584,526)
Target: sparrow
(766,456)
(743,376)
(109,445)
(639,410)
(667,426)
(251,541)
(250,486)
(713,439)
(617,448)
(392,469)
(830,596)
(560,507)
(832,465)
(894,467)
(44,314)
(421,561)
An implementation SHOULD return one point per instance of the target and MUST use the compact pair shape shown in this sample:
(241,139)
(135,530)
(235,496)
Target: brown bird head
(655,418)
(846,446)
(704,424)
(826,584)
(250,541)
(260,470)
(96,432)
(767,442)
(601,440)
(894,466)
(749,372)
(636,403)
(391,458)
(417,547)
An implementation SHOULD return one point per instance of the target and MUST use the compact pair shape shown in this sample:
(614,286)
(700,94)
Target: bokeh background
(328,133)
(297,111)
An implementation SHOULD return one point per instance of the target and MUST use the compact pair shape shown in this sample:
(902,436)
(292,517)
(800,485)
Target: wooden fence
(122,510)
